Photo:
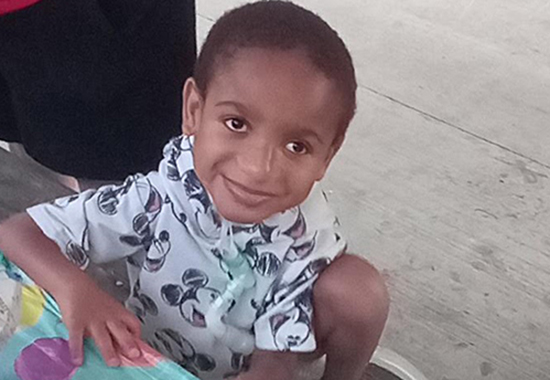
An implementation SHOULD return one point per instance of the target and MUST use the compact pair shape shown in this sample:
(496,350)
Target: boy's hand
(89,312)
(86,309)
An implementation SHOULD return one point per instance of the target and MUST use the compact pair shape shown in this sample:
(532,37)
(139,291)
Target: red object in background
(7,6)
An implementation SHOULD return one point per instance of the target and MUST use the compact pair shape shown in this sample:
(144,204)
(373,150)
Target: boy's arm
(86,309)
(26,246)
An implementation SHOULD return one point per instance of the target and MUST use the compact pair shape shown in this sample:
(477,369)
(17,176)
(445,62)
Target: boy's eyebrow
(308,132)
(241,107)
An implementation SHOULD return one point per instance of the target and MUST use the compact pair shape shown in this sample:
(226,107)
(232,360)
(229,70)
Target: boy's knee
(352,294)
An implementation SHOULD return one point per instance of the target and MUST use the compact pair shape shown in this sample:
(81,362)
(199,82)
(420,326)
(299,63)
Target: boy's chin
(241,216)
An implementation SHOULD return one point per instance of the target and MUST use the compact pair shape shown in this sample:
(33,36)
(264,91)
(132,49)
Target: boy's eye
(296,147)
(236,125)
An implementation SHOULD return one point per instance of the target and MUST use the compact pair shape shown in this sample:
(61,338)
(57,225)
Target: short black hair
(275,24)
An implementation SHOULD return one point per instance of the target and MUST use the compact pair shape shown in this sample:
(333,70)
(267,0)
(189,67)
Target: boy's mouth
(246,195)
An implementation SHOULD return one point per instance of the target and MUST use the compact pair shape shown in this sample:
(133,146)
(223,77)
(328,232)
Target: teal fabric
(40,352)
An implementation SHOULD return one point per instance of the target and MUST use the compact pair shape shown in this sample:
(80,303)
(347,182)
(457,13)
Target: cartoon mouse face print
(293,230)
(193,298)
(173,173)
(291,223)
(206,218)
(157,247)
(280,290)
(141,304)
(77,255)
(302,246)
(179,215)
(264,262)
(293,226)
(109,197)
(299,227)
(158,250)
(301,249)
(293,328)
(173,345)
(152,206)
(179,144)
(290,329)
(313,269)
(195,191)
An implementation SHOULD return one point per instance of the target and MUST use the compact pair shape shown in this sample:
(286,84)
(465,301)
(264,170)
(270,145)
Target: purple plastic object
(45,359)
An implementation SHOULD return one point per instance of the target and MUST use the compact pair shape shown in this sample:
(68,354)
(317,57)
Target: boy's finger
(76,341)
(104,342)
(124,338)
(133,324)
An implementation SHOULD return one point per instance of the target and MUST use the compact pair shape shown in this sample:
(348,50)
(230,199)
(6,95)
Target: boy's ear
(192,107)
(336,145)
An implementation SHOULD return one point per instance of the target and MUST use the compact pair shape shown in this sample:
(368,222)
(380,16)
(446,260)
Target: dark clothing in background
(92,88)
(7,6)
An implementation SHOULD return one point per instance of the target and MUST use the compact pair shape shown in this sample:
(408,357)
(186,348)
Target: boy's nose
(257,162)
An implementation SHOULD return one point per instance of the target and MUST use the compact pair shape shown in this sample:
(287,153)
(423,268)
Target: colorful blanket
(34,345)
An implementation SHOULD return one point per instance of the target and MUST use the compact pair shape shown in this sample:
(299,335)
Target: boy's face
(265,132)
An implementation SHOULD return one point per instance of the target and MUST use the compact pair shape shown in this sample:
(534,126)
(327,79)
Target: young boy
(235,264)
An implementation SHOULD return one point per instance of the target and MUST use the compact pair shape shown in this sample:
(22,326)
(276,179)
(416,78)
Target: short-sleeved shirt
(208,291)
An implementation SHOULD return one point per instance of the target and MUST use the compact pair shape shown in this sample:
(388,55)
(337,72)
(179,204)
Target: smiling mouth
(245,194)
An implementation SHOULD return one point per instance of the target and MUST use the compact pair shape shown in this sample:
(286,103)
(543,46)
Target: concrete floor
(443,182)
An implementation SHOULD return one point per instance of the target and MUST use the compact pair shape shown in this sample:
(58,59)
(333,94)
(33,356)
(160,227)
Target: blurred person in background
(91,89)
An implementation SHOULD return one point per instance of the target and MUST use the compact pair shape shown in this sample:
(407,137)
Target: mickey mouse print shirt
(208,291)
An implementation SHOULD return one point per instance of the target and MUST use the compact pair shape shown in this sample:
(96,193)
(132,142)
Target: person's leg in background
(11,138)
(102,124)
(18,150)
(76,184)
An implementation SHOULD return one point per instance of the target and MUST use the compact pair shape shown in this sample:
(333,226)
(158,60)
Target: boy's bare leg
(351,307)
(350,310)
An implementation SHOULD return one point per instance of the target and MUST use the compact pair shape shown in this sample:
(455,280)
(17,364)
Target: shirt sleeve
(286,320)
(103,225)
